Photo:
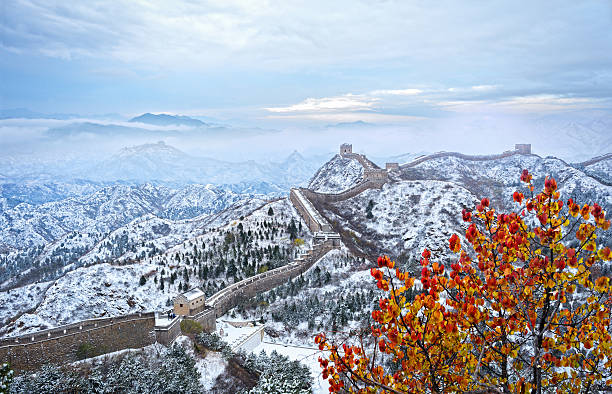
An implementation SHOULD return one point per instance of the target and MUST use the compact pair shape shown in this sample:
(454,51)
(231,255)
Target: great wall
(62,344)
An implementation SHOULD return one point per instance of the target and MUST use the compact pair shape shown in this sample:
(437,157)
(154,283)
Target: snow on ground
(102,290)
(347,278)
(21,299)
(234,336)
(409,215)
(601,170)
(306,355)
(209,367)
(337,175)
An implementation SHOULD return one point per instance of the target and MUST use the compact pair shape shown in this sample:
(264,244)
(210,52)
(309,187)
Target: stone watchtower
(524,149)
(189,303)
(346,149)
(391,166)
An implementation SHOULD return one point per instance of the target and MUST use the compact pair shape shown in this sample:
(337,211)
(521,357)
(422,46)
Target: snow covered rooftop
(193,294)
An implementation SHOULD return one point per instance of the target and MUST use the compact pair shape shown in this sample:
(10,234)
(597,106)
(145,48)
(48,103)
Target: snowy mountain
(602,171)
(40,241)
(421,206)
(167,120)
(106,289)
(336,175)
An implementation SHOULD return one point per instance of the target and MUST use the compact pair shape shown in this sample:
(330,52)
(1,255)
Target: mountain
(350,125)
(168,120)
(39,241)
(422,204)
(336,175)
(163,163)
(24,113)
(101,130)
(105,289)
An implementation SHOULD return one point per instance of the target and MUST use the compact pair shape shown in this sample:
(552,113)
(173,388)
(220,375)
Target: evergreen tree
(143,280)
(6,377)
(270,212)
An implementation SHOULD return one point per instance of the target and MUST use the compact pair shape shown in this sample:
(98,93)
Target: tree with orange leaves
(517,311)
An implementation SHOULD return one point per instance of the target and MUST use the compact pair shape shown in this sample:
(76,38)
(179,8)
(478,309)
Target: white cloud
(371,117)
(397,92)
(347,102)
(530,103)
(484,88)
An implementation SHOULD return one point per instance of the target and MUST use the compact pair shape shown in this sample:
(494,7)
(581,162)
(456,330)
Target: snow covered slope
(601,171)
(106,289)
(498,179)
(407,217)
(337,175)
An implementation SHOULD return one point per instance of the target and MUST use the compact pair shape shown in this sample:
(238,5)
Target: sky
(300,63)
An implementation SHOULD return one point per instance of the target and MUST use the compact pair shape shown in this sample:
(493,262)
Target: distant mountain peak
(159,148)
(357,123)
(168,120)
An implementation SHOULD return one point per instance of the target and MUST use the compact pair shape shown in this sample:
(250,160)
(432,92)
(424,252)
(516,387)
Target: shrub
(191,327)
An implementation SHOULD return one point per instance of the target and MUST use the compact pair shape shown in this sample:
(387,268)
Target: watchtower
(189,303)
(524,149)
(346,149)
(391,166)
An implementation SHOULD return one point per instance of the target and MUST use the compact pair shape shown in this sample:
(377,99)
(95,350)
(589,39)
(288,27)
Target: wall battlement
(62,344)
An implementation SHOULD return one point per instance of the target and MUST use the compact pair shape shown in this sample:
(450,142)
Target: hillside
(421,205)
(205,255)
(37,242)
(336,175)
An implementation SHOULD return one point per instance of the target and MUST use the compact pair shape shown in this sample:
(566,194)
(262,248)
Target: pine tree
(6,377)
(270,212)
(143,280)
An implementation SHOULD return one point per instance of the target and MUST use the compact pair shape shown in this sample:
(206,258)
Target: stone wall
(363,160)
(345,195)
(236,293)
(250,342)
(167,335)
(607,156)
(459,155)
(62,344)
(207,318)
(307,211)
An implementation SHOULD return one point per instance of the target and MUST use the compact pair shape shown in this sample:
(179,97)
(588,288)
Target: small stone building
(346,149)
(391,166)
(524,149)
(189,303)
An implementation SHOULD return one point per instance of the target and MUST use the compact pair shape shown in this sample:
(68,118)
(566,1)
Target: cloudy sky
(313,61)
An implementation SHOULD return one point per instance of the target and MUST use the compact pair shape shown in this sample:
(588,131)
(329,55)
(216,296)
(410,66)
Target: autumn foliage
(518,309)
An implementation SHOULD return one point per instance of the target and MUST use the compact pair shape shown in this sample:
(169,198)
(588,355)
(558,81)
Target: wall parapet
(460,156)
(346,194)
(167,334)
(596,159)
(73,328)
(229,297)
(63,344)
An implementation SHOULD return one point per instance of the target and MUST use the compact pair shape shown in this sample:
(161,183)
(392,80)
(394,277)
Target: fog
(572,137)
